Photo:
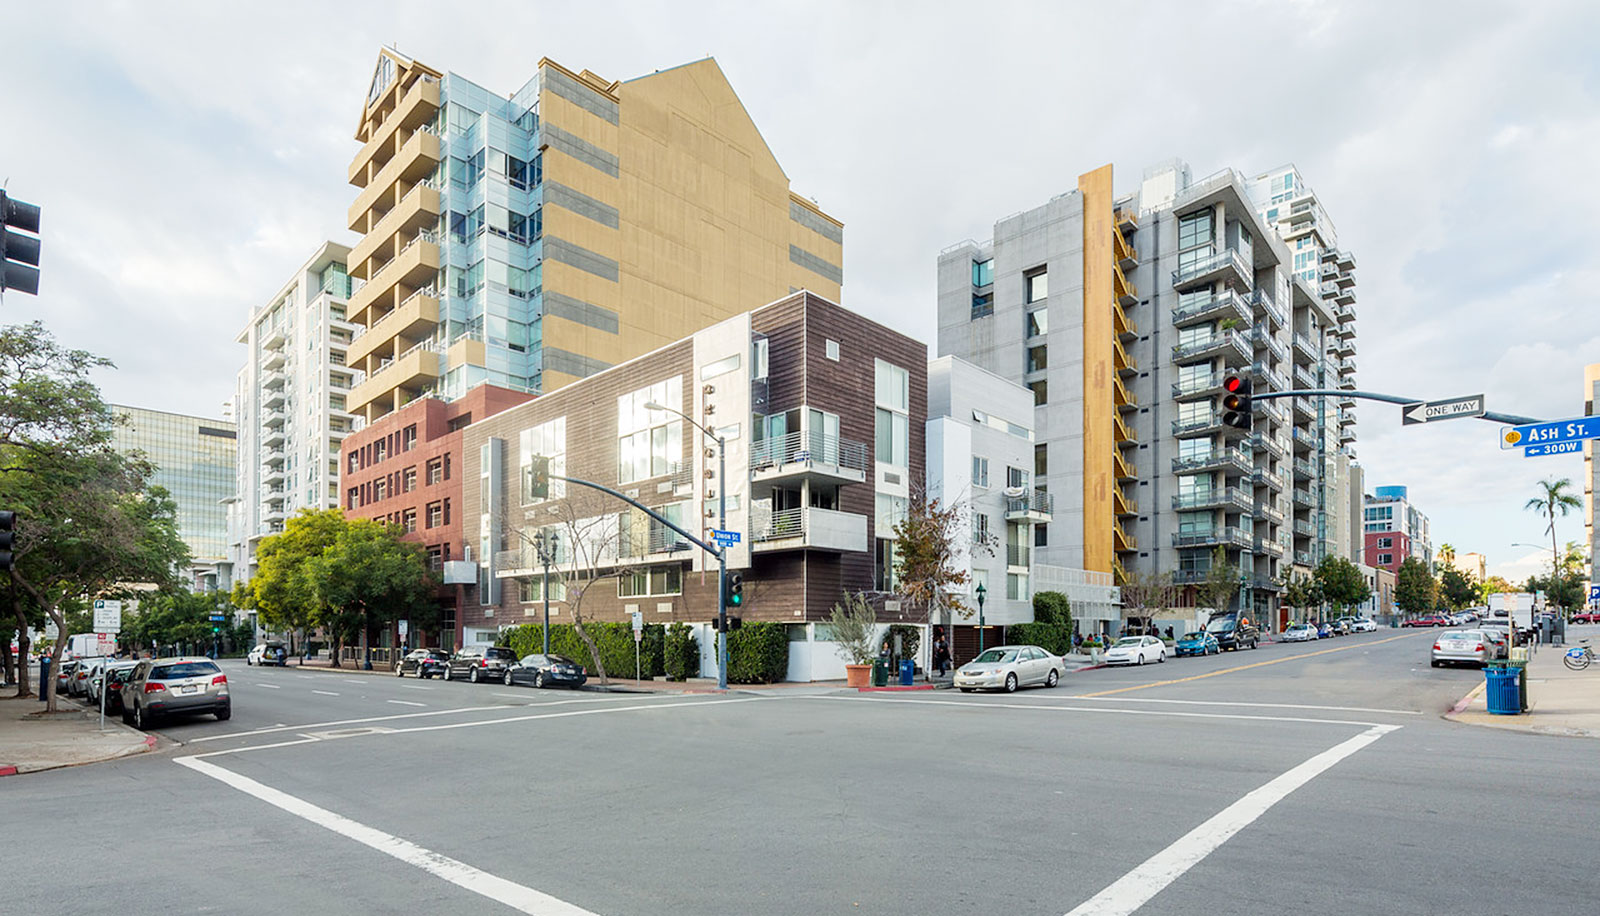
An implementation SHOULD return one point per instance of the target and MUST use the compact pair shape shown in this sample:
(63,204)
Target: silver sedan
(1009,667)
(1471,647)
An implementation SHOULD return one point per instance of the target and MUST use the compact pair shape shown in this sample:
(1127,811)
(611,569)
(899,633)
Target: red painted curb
(149,741)
(897,687)
(8,771)
(1091,667)
(1462,703)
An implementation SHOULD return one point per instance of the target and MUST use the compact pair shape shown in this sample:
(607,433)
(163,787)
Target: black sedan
(423,663)
(546,671)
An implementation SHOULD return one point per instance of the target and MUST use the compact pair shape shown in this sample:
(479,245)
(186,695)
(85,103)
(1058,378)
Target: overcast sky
(189,156)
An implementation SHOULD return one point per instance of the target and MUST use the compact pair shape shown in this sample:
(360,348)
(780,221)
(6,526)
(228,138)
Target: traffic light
(734,623)
(539,486)
(1236,402)
(19,254)
(735,598)
(8,521)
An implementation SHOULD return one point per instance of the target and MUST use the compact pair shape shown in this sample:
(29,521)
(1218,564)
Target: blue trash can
(908,672)
(1502,695)
(44,676)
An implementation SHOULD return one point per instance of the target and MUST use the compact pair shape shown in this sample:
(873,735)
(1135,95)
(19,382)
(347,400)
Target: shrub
(614,640)
(1051,607)
(758,653)
(1051,637)
(854,623)
(681,655)
(910,639)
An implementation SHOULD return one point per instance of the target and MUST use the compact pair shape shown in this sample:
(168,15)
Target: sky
(189,156)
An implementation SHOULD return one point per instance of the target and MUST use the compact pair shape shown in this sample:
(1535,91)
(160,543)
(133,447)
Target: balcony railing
(1039,501)
(1236,537)
(1276,381)
(1229,304)
(812,448)
(1221,459)
(1305,498)
(1304,468)
(1197,385)
(1212,499)
(1197,426)
(1222,344)
(1017,555)
(1305,529)
(1263,301)
(1219,260)
(1269,444)
(1267,479)
(1263,338)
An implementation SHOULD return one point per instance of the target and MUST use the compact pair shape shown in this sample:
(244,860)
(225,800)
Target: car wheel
(1053,679)
(507,678)
(1140,659)
(538,680)
(1433,664)
(141,719)
(247,661)
(224,715)
(1160,659)
(446,674)
(1011,683)
(473,675)
(966,690)
(399,671)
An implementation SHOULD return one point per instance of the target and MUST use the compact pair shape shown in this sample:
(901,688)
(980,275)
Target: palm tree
(1447,555)
(1554,500)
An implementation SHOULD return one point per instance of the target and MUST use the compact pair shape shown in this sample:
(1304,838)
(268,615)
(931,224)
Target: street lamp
(547,552)
(981,593)
(722,525)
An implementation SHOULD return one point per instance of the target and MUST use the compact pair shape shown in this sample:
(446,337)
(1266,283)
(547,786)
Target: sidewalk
(31,741)
(1560,701)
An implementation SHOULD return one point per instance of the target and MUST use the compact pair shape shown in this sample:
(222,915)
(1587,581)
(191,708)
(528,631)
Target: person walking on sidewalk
(941,655)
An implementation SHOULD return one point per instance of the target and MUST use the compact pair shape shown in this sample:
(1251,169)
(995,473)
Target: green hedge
(1051,637)
(682,653)
(1052,607)
(758,653)
(614,640)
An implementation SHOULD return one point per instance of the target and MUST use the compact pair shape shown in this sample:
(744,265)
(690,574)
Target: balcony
(1127,329)
(274,398)
(1214,308)
(1302,558)
(809,528)
(274,359)
(1226,265)
(1263,339)
(1344,295)
(415,369)
(1123,432)
(415,267)
(1347,383)
(1347,325)
(813,456)
(1229,345)
(656,543)
(274,338)
(1123,504)
(416,108)
(1124,398)
(1305,347)
(1304,440)
(417,159)
(1198,426)
(415,318)
(273,379)
(1305,529)
(1270,444)
(1223,537)
(1188,576)
(1304,499)
(418,210)
(1347,261)
(1345,280)
(1017,556)
(1035,506)
(1124,290)
(1305,378)
(1270,512)
(1268,547)
(272,474)
(1228,459)
(1217,498)
(275,437)
(273,418)
(1271,410)
(1347,435)
(1122,540)
(1264,478)
(1127,219)
(1197,387)
(1123,363)
(1275,381)
(1127,257)
(1263,303)
(1122,467)
(1344,347)
(1304,469)
(1304,409)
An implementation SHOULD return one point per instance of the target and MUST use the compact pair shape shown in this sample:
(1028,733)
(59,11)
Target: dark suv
(1233,632)
(480,663)
(422,662)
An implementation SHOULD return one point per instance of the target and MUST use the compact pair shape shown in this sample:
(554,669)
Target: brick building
(406,469)
(822,411)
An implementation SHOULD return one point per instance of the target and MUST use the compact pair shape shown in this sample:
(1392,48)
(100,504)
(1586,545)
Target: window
(408,438)
(1017,587)
(436,515)
(832,349)
(380,489)
(548,439)
(758,357)
(408,481)
(892,443)
(355,461)
(1038,322)
(649,442)
(980,471)
(435,471)
(1016,477)
(1041,461)
(1198,334)
(408,520)
(531,591)
(883,561)
(983,273)
(1036,285)
(1196,522)
(1194,413)
(980,528)
(888,511)
(1041,392)
(1385,559)
(982,304)
(1041,535)
(1195,239)
(714,369)
(1385,542)
(650,582)
(1038,358)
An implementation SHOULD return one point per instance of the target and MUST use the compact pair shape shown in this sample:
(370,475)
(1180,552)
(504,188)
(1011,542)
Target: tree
(1447,555)
(928,555)
(1301,591)
(282,591)
(854,625)
(88,524)
(1493,585)
(1553,500)
(368,576)
(1341,582)
(1414,588)
(1457,588)
(1144,591)
(174,618)
(1221,583)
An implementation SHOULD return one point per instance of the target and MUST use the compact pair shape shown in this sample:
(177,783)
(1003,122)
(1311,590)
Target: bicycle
(1578,657)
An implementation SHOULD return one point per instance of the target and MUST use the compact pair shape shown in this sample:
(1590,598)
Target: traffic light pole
(722,565)
(1492,416)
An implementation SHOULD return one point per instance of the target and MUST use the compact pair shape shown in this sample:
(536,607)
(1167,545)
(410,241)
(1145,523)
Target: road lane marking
(517,896)
(326,693)
(519,696)
(1104,699)
(415,687)
(574,712)
(1135,889)
(352,680)
(1270,661)
(405,703)
(1046,707)
(269,686)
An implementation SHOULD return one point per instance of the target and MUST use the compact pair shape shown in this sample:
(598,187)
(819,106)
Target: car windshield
(995,655)
(1220,626)
(1458,634)
(1301,626)
(1134,641)
(1189,636)
(182,669)
(500,653)
(561,660)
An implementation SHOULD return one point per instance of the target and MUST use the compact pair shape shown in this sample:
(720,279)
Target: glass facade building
(194,460)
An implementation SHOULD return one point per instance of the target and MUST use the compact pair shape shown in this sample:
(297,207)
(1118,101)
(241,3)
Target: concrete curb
(896,687)
(149,745)
(1464,702)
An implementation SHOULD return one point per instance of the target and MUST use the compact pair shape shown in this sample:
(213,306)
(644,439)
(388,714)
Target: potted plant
(854,625)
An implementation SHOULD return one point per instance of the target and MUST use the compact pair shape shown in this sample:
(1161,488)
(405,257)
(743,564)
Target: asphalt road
(1311,778)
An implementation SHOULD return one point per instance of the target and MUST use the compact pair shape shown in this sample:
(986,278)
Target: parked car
(1500,638)
(546,671)
(1009,667)
(1233,633)
(1136,650)
(1340,626)
(1364,625)
(98,676)
(1586,617)
(160,687)
(1325,630)
(116,679)
(424,663)
(78,685)
(268,653)
(480,663)
(64,676)
(1197,642)
(1432,620)
(1300,632)
(1455,646)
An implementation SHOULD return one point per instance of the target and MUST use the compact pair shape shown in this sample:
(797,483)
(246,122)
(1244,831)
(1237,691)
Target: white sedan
(1136,650)
(1009,667)
(1364,625)
(1300,632)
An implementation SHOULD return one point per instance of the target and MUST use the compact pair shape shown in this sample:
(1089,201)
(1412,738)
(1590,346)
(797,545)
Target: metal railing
(1034,501)
(1227,257)
(1263,338)
(1226,496)
(809,448)
(1262,298)
(1196,385)
(1221,341)
(1205,307)
(1276,381)
(1228,457)
(784,523)
(1234,536)
(1017,555)
(1193,427)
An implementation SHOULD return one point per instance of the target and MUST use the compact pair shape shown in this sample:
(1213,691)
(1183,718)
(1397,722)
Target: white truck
(90,645)
(1515,607)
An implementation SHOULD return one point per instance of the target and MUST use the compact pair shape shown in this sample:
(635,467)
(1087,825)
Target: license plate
(192,688)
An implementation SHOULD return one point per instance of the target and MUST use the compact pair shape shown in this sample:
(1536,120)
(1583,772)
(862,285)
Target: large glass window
(1038,358)
(1196,522)
(548,439)
(983,272)
(651,582)
(1038,322)
(1195,239)
(1036,285)
(1194,448)
(892,443)
(1192,413)
(980,471)
(649,442)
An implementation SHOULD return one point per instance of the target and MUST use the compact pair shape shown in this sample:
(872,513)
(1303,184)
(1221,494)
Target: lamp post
(982,592)
(722,525)
(546,550)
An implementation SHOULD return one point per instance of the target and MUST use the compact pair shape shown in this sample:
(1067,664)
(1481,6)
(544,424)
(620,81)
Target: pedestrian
(941,654)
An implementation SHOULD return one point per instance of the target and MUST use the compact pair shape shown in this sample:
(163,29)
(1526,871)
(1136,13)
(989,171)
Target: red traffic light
(1232,383)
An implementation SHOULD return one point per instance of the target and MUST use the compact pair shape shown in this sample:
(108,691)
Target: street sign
(107,616)
(405,626)
(1540,437)
(1451,409)
(1594,593)
(724,538)
(218,618)
(638,626)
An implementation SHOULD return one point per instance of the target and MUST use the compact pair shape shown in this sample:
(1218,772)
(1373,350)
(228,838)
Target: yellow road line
(1274,661)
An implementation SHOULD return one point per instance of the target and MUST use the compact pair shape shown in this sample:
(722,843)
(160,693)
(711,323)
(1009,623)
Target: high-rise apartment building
(1591,482)
(1394,530)
(194,461)
(534,239)
(1124,314)
(291,404)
